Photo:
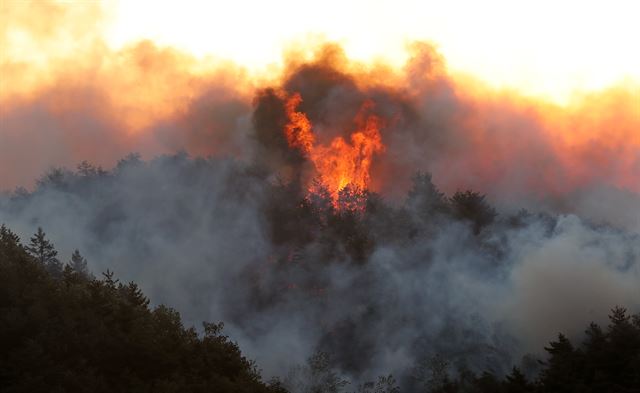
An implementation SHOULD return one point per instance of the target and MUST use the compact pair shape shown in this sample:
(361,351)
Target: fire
(340,163)
(298,130)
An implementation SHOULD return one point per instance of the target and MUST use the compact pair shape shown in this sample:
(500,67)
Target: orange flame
(298,130)
(340,163)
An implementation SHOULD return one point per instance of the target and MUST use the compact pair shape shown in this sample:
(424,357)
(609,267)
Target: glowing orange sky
(80,82)
(544,47)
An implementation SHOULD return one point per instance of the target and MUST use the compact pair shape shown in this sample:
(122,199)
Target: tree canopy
(75,333)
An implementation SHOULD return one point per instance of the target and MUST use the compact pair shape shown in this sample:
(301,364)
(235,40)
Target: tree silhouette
(472,206)
(561,367)
(424,198)
(87,170)
(79,334)
(45,253)
(517,383)
(78,263)
(623,352)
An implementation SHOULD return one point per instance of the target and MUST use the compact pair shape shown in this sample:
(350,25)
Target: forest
(65,330)
(348,283)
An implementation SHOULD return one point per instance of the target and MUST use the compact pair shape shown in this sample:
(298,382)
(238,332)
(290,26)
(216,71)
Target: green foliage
(74,333)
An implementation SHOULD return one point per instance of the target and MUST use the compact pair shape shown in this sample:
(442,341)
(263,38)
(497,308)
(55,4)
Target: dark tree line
(62,330)
(607,360)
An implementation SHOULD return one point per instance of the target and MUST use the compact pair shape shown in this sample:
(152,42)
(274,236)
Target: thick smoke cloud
(84,114)
(379,290)
(66,96)
(100,104)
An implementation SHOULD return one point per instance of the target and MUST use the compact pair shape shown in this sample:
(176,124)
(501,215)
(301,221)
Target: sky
(544,48)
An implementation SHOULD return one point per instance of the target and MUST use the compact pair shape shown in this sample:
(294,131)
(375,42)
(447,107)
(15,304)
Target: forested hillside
(64,330)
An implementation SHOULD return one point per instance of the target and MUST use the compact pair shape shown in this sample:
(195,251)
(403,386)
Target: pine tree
(595,346)
(560,372)
(78,263)
(43,251)
(6,235)
(9,243)
(133,294)
(623,348)
(516,382)
(78,334)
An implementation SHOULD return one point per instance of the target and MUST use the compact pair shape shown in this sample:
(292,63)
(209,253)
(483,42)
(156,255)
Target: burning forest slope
(379,286)
(381,214)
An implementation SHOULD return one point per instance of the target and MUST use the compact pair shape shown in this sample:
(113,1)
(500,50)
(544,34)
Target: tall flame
(340,163)
(298,130)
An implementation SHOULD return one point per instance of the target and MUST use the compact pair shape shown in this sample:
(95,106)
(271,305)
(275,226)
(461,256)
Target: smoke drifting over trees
(67,330)
(380,287)
(480,225)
